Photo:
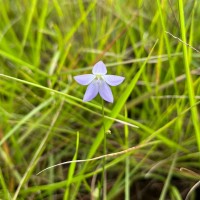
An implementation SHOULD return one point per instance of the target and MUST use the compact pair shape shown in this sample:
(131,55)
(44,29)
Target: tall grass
(44,122)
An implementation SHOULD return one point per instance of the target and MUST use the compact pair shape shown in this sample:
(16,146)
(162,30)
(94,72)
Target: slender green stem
(103,178)
(127,162)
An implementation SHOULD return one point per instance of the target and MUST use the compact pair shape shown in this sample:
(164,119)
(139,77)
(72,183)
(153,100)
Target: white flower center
(99,77)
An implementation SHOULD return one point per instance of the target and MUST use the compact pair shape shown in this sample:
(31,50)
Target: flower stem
(127,162)
(103,178)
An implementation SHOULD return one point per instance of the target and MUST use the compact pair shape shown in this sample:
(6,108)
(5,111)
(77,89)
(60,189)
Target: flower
(98,82)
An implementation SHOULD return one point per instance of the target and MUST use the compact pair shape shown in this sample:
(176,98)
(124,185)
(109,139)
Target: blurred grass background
(43,120)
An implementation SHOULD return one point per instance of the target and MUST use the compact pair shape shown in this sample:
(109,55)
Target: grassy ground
(43,121)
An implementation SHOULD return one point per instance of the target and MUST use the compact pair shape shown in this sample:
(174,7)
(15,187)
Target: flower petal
(99,68)
(91,92)
(84,79)
(105,92)
(113,80)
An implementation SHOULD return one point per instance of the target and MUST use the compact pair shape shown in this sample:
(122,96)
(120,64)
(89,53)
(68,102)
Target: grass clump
(43,121)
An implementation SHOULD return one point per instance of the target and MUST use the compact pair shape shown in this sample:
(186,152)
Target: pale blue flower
(98,82)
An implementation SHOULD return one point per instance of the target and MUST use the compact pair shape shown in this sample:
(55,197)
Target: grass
(44,122)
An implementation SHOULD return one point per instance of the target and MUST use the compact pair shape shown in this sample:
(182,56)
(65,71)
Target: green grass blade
(4,187)
(194,111)
(28,24)
(71,170)
(25,119)
(38,153)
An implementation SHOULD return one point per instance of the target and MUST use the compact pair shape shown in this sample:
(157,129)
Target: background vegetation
(43,120)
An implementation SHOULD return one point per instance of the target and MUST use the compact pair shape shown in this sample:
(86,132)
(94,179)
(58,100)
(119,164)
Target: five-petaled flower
(98,82)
